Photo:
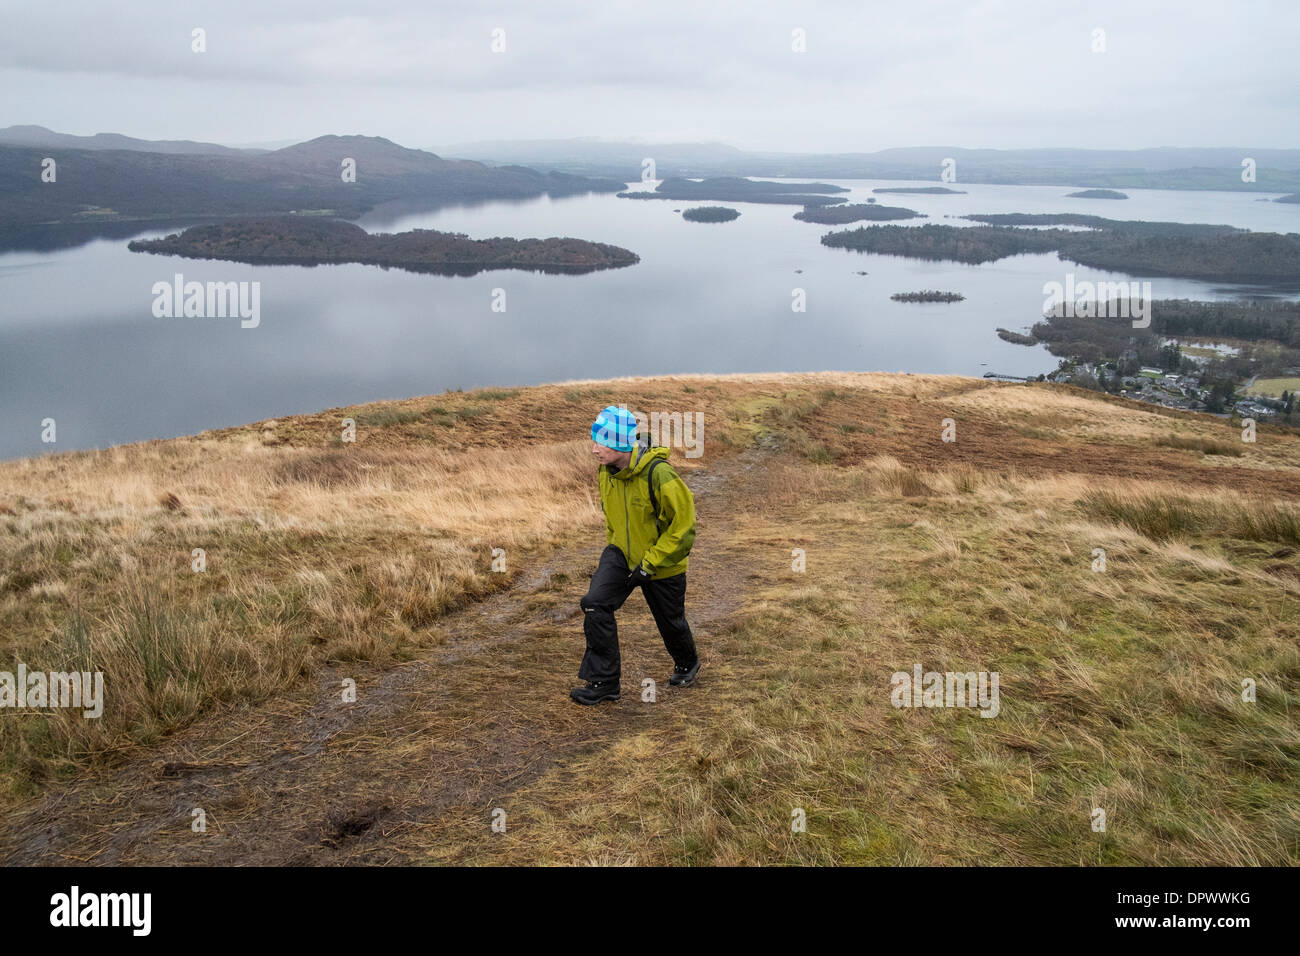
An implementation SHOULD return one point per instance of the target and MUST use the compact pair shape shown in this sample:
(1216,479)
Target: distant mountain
(1219,168)
(1157,158)
(40,136)
(619,159)
(98,188)
(374,154)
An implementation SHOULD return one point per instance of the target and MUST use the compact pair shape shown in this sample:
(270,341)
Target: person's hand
(639,574)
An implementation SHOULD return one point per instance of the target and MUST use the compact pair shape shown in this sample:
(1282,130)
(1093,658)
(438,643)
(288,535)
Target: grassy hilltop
(371,561)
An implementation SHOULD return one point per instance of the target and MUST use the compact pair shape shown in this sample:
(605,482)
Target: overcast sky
(992,73)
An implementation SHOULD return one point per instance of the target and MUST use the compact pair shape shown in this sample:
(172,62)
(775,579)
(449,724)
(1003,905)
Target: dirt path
(306,779)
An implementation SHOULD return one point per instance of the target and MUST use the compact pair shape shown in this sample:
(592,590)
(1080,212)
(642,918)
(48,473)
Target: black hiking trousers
(609,589)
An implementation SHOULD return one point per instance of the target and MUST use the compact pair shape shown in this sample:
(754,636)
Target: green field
(1272,386)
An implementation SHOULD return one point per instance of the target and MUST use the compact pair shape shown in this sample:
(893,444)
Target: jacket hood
(640,460)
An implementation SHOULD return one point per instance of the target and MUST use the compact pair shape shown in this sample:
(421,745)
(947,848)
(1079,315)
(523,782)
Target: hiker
(649,529)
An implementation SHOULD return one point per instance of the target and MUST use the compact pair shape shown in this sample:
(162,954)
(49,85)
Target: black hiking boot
(595,692)
(684,675)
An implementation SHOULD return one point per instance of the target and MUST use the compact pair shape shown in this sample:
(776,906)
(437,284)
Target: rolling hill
(102,188)
(40,136)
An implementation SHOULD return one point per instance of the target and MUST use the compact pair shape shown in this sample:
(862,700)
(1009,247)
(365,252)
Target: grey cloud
(875,75)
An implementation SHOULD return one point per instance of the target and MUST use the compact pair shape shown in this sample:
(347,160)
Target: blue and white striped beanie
(615,428)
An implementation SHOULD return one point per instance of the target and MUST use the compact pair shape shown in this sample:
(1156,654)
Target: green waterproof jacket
(661,542)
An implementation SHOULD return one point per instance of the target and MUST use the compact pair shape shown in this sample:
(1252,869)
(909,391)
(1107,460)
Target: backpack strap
(650,480)
(643,443)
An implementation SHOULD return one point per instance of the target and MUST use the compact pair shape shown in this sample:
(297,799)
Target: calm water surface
(79,342)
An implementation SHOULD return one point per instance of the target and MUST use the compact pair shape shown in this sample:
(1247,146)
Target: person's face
(606,455)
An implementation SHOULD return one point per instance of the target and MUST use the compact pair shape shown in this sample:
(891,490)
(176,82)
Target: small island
(929,295)
(310,241)
(710,214)
(1191,250)
(922,190)
(739,189)
(1096,194)
(838,215)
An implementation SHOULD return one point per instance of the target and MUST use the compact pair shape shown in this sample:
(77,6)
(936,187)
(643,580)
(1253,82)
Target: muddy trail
(305,779)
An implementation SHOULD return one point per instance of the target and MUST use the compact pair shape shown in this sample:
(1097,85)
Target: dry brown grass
(336,554)
(1121,689)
